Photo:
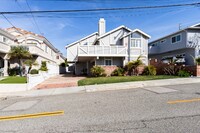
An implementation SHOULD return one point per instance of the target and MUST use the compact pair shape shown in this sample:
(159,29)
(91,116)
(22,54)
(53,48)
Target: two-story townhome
(6,39)
(38,46)
(181,47)
(107,49)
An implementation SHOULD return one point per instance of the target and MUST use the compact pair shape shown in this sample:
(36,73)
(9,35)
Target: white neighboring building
(38,46)
(107,49)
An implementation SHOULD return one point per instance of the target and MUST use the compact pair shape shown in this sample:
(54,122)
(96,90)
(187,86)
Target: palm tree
(30,63)
(133,65)
(19,52)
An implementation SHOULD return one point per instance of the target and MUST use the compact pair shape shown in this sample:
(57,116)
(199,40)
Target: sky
(62,29)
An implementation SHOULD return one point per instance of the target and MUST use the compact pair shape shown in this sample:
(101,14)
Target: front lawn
(107,80)
(13,80)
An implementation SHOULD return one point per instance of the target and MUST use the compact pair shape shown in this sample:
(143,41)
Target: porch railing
(102,50)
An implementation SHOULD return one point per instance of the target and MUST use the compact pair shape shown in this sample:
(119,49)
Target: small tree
(149,70)
(132,66)
(44,66)
(30,63)
(97,71)
(19,52)
(197,60)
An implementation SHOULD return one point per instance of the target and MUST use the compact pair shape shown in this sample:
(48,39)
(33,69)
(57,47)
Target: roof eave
(71,44)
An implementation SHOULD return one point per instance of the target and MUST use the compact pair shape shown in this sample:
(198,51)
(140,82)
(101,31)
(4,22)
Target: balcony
(40,52)
(4,48)
(102,51)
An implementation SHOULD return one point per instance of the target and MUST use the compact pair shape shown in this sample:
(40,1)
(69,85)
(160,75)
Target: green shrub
(34,71)
(13,71)
(118,72)
(149,70)
(197,60)
(44,66)
(63,64)
(97,71)
(183,73)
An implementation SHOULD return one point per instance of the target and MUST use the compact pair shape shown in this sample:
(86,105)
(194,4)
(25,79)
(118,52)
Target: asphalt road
(123,111)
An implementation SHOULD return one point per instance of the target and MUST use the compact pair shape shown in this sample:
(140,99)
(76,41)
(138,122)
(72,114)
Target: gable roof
(118,28)
(22,31)
(28,33)
(137,30)
(7,34)
(196,25)
(193,27)
(71,44)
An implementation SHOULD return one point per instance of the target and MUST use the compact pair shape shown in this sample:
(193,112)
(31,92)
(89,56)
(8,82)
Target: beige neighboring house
(38,46)
(107,49)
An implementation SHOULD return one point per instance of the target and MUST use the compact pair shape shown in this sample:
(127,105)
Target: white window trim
(176,41)
(108,59)
(136,39)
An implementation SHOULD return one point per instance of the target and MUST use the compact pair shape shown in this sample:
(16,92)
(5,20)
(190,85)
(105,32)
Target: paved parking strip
(160,90)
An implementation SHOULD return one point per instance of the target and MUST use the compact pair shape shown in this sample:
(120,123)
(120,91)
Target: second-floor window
(5,40)
(176,38)
(136,43)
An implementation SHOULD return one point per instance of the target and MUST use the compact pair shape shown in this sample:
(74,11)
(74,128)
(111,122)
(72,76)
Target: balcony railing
(102,50)
(35,50)
(5,48)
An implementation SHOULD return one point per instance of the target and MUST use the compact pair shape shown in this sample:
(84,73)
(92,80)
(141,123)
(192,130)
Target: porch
(84,64)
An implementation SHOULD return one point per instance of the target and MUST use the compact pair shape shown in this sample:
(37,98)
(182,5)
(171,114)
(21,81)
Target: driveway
(60,81)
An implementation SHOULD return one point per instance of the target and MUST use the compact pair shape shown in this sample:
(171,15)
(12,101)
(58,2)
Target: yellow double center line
(184,101)
(26,116)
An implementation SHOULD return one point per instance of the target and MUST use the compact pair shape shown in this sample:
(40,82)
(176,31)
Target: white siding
(114,38)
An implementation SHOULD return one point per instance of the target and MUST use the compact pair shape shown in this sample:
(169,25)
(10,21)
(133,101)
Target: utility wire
(8,20)
(25,14)
(11,23)
(34,18)
(103,9)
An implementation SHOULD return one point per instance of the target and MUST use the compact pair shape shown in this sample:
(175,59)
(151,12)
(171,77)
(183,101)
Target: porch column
(5,72)
(87,67)
(124,61)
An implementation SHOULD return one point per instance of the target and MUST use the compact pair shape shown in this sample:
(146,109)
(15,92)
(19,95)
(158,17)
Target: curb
(102,87)
(142,84)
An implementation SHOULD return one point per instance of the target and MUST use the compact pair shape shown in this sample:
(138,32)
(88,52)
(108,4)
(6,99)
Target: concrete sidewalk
(103,87)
